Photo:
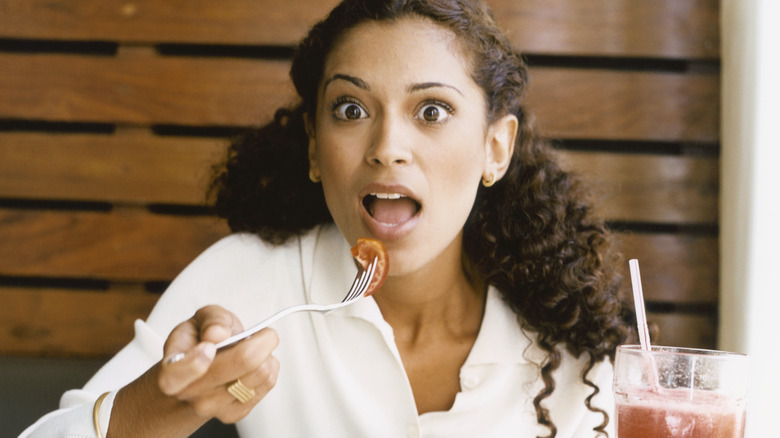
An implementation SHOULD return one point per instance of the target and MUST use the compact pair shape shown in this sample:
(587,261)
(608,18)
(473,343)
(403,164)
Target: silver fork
(358,288)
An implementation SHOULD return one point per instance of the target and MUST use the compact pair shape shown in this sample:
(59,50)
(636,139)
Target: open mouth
(390,208)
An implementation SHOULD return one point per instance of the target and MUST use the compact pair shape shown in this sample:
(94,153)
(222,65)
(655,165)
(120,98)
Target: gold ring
(241,392)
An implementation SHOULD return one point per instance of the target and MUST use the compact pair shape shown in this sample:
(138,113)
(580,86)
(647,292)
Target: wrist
(141,409)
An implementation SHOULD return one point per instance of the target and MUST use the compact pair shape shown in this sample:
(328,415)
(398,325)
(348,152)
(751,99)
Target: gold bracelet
(96,414)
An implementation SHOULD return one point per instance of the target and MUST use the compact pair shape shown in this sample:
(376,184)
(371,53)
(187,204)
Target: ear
(314,169)
(499,146)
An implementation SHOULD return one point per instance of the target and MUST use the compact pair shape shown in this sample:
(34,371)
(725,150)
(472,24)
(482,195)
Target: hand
(201,376)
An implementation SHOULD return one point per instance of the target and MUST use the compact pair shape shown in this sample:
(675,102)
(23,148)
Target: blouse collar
(331,270)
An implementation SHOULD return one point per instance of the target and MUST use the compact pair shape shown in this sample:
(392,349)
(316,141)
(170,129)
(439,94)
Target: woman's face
(401,140)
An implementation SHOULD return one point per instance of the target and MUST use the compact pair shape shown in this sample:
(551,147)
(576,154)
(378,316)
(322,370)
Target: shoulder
(239,272)
(572,367)
(233,260)
(567,402)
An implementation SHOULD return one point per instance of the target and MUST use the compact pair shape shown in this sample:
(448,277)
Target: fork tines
(360,285)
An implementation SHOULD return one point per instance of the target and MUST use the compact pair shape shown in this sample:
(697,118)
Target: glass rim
(687,351)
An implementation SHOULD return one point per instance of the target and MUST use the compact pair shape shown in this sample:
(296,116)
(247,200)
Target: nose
(390,143)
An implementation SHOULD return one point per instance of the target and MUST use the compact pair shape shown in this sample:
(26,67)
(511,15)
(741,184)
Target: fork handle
(275,317)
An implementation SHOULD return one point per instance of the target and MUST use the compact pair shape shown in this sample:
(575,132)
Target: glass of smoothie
(671,392)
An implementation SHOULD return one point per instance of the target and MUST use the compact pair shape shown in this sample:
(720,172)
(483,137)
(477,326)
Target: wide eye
(434,113)
(349,111)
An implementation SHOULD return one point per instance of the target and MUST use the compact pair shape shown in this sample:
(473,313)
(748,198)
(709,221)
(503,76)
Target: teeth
(387,195)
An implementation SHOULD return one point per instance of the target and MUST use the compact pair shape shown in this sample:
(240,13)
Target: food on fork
(365,251)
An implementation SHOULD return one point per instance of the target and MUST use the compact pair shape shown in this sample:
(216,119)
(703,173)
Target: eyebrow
(351,79)
(427,85)
(363,85)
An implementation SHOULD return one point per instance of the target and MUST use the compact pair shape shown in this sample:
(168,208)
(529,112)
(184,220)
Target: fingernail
(216,332)
(174,358)
(209,350)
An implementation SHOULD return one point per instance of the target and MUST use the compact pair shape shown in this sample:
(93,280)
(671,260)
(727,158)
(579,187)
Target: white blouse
(341,373)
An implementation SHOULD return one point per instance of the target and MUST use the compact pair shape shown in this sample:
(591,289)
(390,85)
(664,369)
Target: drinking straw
(639,305)
(641,322)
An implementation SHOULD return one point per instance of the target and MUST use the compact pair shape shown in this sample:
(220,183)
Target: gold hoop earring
(488,180)
(314,176)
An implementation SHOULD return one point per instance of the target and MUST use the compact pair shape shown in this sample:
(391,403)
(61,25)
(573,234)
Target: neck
(432,303)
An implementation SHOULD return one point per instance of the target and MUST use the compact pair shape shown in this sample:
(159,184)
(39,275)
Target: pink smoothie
(678,413)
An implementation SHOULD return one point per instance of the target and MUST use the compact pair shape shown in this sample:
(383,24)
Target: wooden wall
(112,113)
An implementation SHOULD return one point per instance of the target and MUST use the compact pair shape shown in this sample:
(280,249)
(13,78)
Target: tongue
(393,211)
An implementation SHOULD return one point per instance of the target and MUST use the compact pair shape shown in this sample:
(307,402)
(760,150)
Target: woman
(500,313)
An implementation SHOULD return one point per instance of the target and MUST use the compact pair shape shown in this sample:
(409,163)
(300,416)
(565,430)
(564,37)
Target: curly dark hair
(533,234)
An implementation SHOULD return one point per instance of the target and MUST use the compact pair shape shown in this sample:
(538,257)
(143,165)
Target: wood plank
(656,29)
(143,90)
(150,247)
(650,188)
(51,322)
(676,268)
(266,22)
(120,246)
(124,168)
(684,330)
(569,103)
(602,104)
(149,169)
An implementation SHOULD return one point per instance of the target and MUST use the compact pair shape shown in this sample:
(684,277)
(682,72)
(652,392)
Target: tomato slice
(367,250)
